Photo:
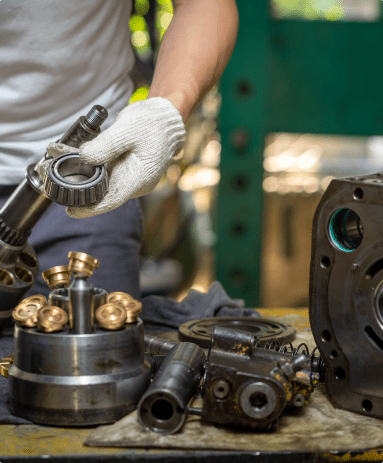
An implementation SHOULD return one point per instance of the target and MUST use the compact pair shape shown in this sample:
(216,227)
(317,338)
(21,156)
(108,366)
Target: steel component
(64,379)
(111,316)
(162,407)
(51,319)
(57,277)
(70,182)
(80,262)
(346,287)
(250,386)
(60,298)
(81,305)
(157,346)
(21,212)
(200,331)
(5,365)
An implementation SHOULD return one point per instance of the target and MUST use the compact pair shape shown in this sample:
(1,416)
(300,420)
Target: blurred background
(299,104)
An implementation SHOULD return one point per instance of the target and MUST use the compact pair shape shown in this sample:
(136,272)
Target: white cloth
(57,59)
(137,149)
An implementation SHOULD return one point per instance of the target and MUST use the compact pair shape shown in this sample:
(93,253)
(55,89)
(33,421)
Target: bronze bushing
(111,316)
(51,318)
(118,297)
(25,313)
(5,364)
(79,262)
(57,277)
(133,309)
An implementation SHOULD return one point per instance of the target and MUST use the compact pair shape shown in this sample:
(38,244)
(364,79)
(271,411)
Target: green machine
(319,77)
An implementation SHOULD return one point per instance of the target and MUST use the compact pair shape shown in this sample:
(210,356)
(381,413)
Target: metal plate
(200,331)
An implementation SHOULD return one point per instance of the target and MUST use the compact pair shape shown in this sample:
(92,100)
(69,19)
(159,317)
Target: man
(57,59)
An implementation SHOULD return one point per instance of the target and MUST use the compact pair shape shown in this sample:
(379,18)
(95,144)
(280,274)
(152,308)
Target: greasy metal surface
(200,331)
(346,282)
(259,382)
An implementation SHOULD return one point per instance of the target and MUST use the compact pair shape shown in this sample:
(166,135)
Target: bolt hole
(326,336)
(367,405)
(339,373)
(333,354)
(325,262)
(258,400)
(358,193)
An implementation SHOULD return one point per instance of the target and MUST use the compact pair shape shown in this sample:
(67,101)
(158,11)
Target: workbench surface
(42,443)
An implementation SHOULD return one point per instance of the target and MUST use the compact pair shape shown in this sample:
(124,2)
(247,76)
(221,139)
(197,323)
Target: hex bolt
(57,277)
(221,389)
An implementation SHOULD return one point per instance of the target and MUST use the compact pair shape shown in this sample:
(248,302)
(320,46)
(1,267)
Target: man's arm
(194,51)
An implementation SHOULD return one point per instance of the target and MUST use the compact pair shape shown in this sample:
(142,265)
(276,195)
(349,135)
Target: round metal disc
(200,331)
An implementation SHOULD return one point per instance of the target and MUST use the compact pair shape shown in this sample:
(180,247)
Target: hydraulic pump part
(80,262)
(5,364)
(57,277)
(51,319)
(133,309)
(64,379)
(111,316)
(119,296)
(162,407)
(346,288)
(25,314)
(70,182)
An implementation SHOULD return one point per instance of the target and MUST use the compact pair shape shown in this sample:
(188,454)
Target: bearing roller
(70,182)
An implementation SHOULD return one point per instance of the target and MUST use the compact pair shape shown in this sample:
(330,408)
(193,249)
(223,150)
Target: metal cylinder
(81,305)
(60,298)
(64,379)
(157,346)
(162,407)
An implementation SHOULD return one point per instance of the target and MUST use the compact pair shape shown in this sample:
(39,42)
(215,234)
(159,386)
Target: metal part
(18,262)
(111,316)
(5,365)
(81,305)
(119,296)
(133,310)
(25,314)
(51,319)
(80,262)
(157,346)
(64,379)
(162,407)
(200,331)
(70,182)
(346,287)
(57,277)
(60,298)
(250,386)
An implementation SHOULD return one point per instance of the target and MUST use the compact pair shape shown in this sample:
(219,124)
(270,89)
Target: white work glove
(137,149)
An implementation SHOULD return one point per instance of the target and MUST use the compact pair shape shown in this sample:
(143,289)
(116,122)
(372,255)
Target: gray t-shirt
(57,59)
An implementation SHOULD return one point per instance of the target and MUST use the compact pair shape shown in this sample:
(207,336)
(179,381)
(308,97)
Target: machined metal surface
(250,386)
(346,287)
(80,262)
(57,277)
(65,379)
(111,316)
(200,331)
(60,298)
(162,407)
(5,364)
(51,319)
(81,305)
(70,182)
(157,346)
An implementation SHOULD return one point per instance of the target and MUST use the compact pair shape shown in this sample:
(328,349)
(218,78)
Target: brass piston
(80,262)
(57,277)
(119,296)
(133,309)
(51,319)
(25,313)
(5,364)
(111,316)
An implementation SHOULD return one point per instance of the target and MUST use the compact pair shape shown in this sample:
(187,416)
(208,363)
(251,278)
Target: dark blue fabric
(114,238)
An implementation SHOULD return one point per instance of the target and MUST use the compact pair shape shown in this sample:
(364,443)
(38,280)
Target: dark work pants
(114,238)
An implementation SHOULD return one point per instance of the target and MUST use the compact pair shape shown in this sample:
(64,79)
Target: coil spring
(317,362)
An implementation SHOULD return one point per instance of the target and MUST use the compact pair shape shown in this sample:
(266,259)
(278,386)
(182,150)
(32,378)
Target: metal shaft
(162,407)
(81,305)
(157,346)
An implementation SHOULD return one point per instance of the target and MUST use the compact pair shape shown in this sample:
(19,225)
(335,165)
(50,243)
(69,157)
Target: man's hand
(137,149)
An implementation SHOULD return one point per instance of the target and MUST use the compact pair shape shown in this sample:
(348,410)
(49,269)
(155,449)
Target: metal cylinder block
(65,379)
